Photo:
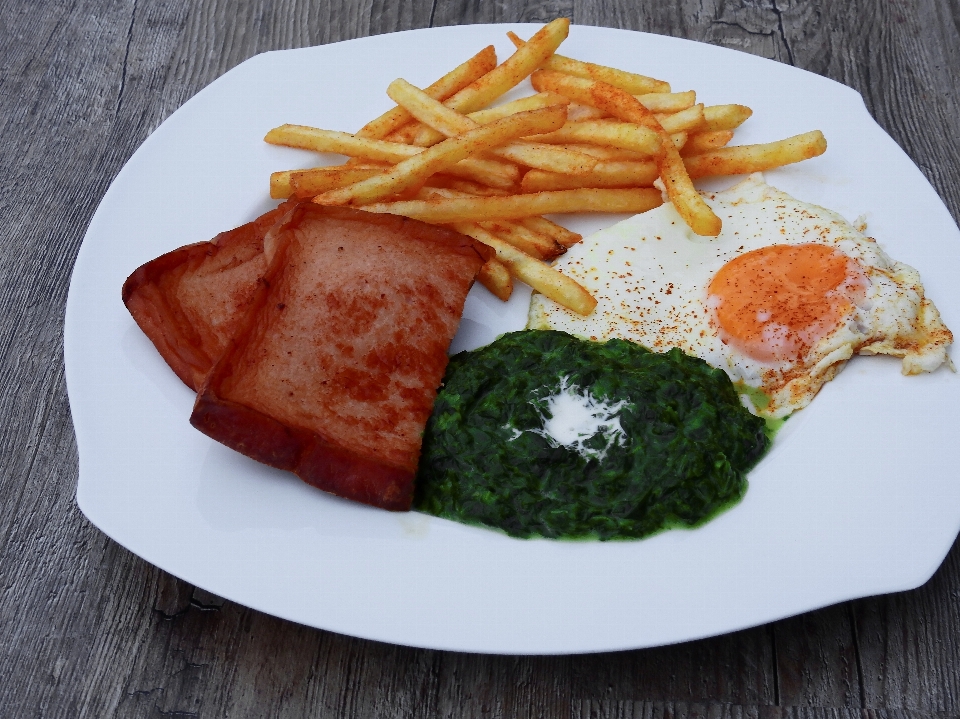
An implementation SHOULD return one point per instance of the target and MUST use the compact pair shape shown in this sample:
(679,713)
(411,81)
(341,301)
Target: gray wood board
(87,629)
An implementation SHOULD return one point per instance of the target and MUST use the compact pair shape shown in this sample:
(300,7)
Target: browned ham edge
(190,301)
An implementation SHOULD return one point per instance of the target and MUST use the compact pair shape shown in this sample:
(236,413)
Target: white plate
(859,495)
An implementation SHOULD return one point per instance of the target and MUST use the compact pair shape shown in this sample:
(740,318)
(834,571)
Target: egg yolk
(774,303)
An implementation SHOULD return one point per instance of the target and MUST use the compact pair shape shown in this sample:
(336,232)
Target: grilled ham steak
(334,357)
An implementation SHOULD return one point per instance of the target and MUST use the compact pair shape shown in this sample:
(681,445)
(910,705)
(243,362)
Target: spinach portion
(687,441)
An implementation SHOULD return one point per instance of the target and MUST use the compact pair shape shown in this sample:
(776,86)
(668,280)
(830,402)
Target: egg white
(650,276)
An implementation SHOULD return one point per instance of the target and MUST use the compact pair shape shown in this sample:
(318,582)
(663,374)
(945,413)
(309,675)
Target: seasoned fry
(608,153)
(578,113)
(744,159)
(502,78)
(668,101)
(414,171)
(455,80)
(475,188)
(624,135)
(451,123)
(544,226)
(541,277)
(496,277)
(307,183)
(311,138)
(487,171)
(691,206)
(533,243)
(684,121)
(541,99)
(702,141)
(631,82)
(724,117)
(513,70)
(605,174)
(443,210)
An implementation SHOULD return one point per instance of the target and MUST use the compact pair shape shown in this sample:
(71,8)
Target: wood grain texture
(87,629)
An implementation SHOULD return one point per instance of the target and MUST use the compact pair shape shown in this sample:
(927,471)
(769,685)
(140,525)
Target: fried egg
(780,300)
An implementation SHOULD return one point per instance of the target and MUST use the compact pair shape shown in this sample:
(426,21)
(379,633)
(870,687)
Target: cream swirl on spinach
(541,434)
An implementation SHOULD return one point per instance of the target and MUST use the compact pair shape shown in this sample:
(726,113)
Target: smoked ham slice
(190,301)
(334,368)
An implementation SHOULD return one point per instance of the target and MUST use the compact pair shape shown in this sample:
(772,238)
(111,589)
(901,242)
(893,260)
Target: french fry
(608,153)
(679,139)
(414,171)
(541,99)
(559,233)
(523,238)
(496,277)
(605,174)
(667,101)
(578,113)
(502,78)
(544,279)
(631,82)
(312,138)
(455,80)
(691,206)
(624,135)
(475,188)
(684,121)
(513,70)
(487,171)
(444,210)
(307,183)
(724,117)
(451,123)
(702,141)
(744,159)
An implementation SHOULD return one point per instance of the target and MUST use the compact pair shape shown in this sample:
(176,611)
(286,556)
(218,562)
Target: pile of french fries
(592,139)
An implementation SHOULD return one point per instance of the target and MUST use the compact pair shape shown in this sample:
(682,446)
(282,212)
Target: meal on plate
(660,353)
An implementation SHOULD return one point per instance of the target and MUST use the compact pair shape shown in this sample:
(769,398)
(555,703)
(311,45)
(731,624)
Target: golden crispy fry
(541,277)
(608,153)
(578,113)
(474,188)
(551,229)
(513,70)
(631,82)
(444,210)
(523,238)
(414,171)
(702,141)
(605,174)
(679,139)
(624,135)
(502,78)
(691,206)
(458,78)
(668,101)
(541,99)
(724,117)
(311,138)
(744,159)
(451,123)
(487,171)
(307,183)
(496,277)
(684,121)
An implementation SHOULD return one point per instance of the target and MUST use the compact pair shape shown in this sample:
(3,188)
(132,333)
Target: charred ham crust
(333,372)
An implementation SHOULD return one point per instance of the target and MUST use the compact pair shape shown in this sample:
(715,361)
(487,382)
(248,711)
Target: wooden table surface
(88,629)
